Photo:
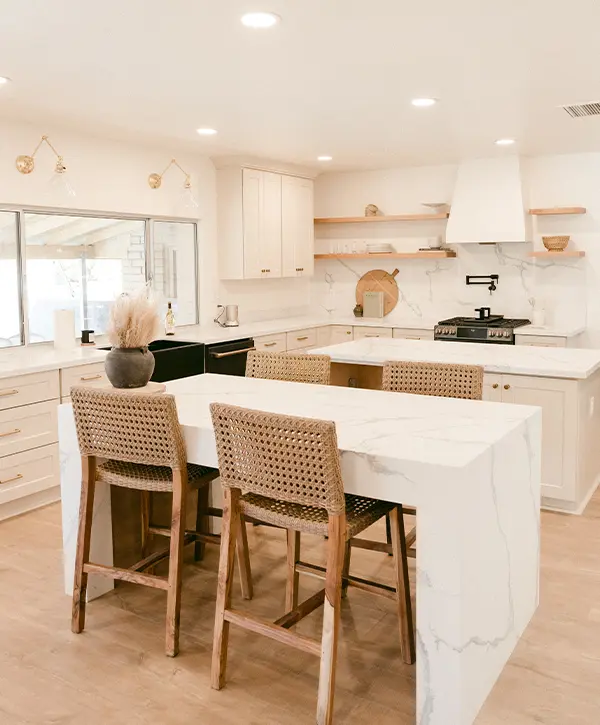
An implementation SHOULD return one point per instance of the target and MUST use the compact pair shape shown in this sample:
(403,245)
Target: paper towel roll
(64,329)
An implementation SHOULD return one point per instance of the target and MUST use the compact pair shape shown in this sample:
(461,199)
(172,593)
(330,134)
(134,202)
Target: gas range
(488,328)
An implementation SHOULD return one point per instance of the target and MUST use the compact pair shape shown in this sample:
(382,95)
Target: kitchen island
(471,469)
(565,383)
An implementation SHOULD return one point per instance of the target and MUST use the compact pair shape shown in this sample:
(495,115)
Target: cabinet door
(261,199)
(297,226)
(270,237)
(558,401)
(540,341)
(362,332)
(251,203)
(492,387)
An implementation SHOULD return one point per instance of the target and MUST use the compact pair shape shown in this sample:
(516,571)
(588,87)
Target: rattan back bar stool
(286,471)
(295,368)
(445,380)
(134,440)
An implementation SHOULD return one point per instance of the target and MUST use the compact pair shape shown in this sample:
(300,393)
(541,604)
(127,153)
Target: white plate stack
(379,248)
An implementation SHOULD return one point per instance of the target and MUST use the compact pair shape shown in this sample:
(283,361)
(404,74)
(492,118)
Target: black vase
(129,367)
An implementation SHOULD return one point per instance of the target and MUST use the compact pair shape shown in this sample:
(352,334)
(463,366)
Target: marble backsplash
(434,289)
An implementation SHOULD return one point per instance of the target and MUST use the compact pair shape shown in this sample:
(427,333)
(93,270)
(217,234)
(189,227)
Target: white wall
(434,289)
(111,176)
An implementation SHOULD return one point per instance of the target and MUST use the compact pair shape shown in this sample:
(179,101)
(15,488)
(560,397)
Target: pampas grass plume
(134,320)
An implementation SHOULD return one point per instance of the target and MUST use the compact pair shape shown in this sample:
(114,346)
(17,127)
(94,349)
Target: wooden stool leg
(293,557)
(146,518)
(346,569)
(230,522)
(405,619)
(86,513)
(243,560)
(331,617)
(388,531)
(201,521)
(176,561)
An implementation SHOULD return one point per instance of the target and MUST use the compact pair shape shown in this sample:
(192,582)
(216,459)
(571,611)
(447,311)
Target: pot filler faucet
(490,279)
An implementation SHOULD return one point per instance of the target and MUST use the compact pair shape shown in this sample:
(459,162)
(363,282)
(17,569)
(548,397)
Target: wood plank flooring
(116,672)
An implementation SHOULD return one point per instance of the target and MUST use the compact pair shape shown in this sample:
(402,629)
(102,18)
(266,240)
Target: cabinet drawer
(23,474)
(362,332)
(301,339)
(540,341)
(270,343)
(81,375)
(341,333)
(27,427)
(408,334)
(27,389)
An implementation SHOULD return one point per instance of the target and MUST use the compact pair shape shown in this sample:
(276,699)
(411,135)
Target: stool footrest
(260,626)
(113,572)
(374,587)
(302,610)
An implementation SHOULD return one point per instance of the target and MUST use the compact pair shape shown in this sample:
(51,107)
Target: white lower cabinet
(270,343)
(564,414)
(364,332)
(409,334)
(540,341)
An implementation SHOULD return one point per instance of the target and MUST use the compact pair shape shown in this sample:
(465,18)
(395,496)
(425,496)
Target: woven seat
(286,471)
(151,478)
(287,366)
(360,513)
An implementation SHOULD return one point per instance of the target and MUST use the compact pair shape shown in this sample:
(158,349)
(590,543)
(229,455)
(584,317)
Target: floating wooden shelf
(558,255)
(438,254)
(556,210)
(370,219)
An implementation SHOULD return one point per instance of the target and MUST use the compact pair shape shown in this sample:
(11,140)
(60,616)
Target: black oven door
(228,358)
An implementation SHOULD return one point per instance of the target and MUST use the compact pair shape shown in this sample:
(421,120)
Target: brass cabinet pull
(304,337)
(91,377)
(348,332)
(371,335)
(495,385)
(4,393)
(270,344)
(507,387)
(10,433)
(14,478)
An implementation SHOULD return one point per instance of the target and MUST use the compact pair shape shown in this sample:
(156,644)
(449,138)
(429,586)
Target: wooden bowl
(555,244)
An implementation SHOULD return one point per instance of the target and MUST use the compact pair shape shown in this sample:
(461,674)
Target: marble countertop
(549,331)
(409,428)
(41,358)
(511,359)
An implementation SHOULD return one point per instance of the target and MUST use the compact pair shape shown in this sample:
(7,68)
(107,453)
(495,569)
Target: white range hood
(487,205)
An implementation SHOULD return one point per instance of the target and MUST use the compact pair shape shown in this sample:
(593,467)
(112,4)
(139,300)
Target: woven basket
(555,244)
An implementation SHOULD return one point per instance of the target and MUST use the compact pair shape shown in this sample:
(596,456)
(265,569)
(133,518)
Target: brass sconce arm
(25,164)
(155,180)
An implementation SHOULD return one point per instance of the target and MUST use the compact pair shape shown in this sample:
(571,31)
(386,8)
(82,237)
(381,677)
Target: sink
(175,359)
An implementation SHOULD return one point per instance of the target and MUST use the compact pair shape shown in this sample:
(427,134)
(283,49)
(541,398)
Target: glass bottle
(169,320)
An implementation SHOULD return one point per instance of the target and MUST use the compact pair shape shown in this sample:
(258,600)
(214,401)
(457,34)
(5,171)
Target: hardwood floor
(116,672)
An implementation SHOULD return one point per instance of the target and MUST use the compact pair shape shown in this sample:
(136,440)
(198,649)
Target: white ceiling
(335,77)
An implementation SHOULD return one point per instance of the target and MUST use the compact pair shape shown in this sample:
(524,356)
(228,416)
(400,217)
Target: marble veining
(471,468)
(556,362)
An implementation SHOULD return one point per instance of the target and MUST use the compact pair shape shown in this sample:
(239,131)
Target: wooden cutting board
(378,280)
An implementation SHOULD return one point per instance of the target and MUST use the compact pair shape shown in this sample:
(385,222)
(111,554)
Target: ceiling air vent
(583,109)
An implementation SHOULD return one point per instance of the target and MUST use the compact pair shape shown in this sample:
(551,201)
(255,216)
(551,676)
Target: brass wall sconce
(25,164)
(155,181)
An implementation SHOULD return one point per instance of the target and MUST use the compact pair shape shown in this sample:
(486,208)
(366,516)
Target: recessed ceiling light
(3,80)
(424,102)
(206,131)
(324,158)
(505,142)
(260,20)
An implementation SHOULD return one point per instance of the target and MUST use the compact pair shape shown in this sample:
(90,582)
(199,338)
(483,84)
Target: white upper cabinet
(297,226)
(265,224)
